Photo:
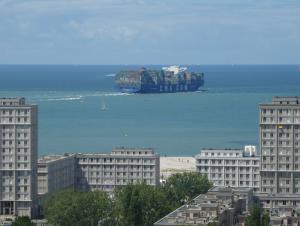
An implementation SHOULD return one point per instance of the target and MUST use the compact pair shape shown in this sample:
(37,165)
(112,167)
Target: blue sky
(149,32)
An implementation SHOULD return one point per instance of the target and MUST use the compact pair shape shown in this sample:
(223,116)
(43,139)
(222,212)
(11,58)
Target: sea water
(81,110)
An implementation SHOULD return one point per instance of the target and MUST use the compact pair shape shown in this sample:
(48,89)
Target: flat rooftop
(283,100)
(11,101)
(203,205)
(52,158)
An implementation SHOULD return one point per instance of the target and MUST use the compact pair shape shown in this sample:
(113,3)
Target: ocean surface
(80,109)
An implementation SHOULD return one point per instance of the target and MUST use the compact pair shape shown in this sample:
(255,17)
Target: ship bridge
(175,69)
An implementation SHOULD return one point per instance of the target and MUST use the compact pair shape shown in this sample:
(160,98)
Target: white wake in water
(75,97)
(110,75)
(112,94)
(64,99)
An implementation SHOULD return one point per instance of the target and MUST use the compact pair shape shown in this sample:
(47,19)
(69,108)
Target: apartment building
(279,127)
(97,171)
(56,172)
(18,157)
(230,167)
(121,167)
(280,145)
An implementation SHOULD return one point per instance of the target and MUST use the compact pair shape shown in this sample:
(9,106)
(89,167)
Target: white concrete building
(279,128)
(98,171)
(121,167)
(229,167)
(18,157)
(56,172)
(280,145)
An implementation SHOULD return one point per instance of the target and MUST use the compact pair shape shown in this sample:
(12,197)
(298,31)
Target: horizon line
(70,64)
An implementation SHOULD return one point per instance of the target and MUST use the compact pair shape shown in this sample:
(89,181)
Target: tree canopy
(256,219)
(71,208)
(265,221)
(182,187)
(141,205)
(131,205)
(22,221)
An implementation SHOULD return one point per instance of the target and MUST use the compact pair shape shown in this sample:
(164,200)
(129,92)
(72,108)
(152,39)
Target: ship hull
(162,88)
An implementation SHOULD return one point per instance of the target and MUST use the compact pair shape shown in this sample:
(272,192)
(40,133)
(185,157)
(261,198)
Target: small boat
(103,106)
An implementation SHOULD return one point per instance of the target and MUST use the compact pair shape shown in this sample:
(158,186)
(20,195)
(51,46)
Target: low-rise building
(98,171)
(56,172)
(284,221)
(121,167)
(284,209)
(230,167)
(221,205)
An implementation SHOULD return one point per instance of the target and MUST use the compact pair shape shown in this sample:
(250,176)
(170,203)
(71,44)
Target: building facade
(18,157)
(56,172)
(121,167)
(230,167)
(98,171)
(280,145)
(279,124)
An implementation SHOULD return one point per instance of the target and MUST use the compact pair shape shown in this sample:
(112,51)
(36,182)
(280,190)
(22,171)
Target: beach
(172,165)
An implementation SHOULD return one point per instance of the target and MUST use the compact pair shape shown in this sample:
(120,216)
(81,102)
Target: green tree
(265,221)
(182,187)
(22,221)
(213,224)
(71,208)
(254,218)
(140,205)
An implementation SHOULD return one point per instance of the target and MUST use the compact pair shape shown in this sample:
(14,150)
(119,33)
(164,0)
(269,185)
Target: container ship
(167,80)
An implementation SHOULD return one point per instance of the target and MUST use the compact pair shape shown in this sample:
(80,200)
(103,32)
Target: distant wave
(64,99)
(110,75)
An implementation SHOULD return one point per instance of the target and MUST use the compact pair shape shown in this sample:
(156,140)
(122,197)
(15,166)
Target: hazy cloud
(153,31)
(105,31)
